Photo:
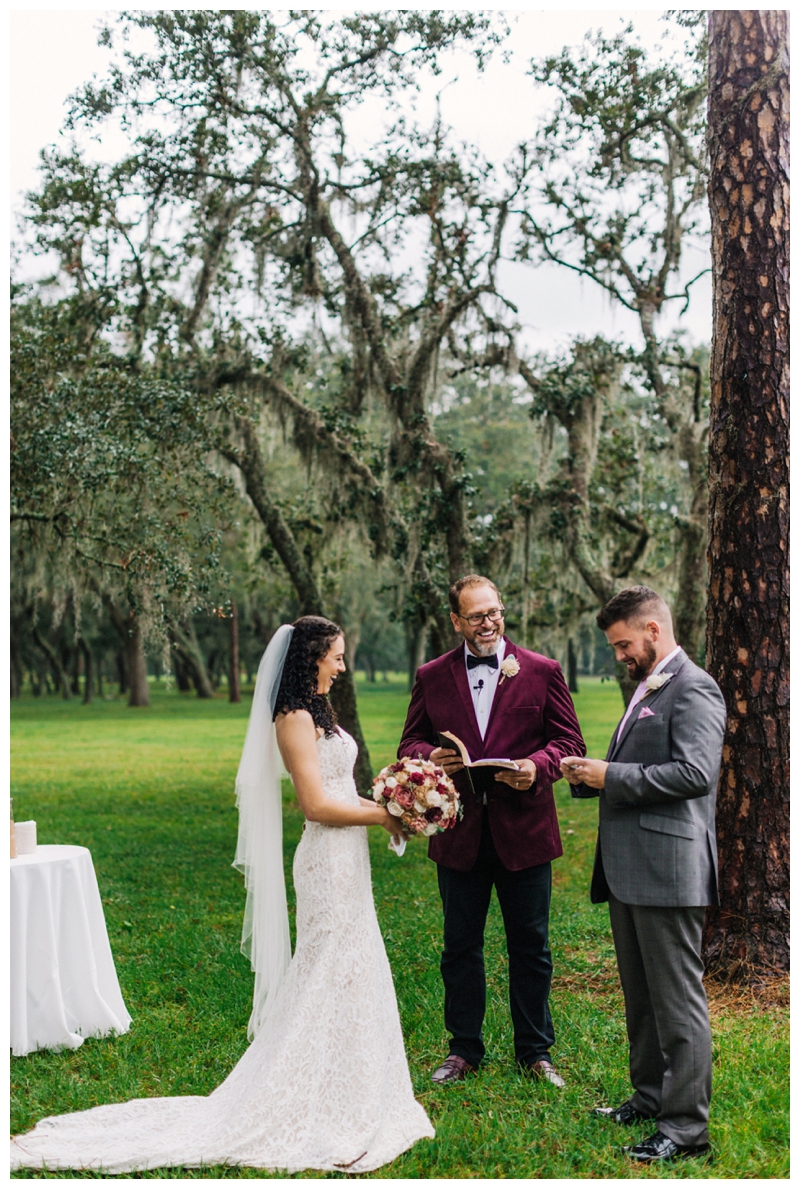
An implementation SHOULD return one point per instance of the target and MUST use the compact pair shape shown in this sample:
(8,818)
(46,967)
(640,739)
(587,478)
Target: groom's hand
(521,780)
(581,770)
(448,759)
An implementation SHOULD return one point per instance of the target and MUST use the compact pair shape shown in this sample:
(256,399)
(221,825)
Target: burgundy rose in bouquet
(420,794)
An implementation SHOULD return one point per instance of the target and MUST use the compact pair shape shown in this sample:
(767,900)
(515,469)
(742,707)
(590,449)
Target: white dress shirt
(641,689)
(483,684)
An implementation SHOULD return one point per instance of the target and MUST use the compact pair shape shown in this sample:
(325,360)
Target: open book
(480,773)
(448,739)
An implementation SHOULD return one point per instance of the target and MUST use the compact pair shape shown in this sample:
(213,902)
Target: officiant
(503,702)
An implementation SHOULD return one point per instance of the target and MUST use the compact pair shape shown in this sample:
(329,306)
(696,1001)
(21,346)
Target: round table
(63,983)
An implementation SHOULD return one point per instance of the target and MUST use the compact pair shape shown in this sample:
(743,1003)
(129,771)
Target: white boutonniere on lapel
(509,668)
(656,681)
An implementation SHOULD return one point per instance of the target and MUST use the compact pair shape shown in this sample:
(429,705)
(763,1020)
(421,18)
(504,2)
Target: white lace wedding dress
(324,1085)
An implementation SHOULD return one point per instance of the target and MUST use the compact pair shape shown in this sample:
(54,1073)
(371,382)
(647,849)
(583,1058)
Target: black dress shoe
(453,1069)
(659,1149)
(625,1114)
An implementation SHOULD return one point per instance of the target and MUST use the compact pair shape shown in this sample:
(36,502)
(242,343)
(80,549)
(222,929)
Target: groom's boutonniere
(655,681)
(509,668)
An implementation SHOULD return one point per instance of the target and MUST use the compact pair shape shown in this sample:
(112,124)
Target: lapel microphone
(479,686)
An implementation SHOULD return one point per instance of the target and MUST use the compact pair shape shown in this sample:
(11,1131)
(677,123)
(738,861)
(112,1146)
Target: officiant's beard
(487,647)
(644,665)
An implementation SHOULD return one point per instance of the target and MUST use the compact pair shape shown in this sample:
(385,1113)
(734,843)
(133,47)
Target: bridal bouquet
(420,794)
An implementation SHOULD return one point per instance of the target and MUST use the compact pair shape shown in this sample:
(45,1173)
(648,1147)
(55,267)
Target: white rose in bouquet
(420,795)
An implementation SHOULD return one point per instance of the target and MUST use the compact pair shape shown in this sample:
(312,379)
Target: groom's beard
(643,667)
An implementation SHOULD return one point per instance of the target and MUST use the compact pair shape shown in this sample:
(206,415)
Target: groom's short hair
(462,584)
(634,604)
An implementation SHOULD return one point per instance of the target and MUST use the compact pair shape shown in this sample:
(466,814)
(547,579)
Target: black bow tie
(474,661)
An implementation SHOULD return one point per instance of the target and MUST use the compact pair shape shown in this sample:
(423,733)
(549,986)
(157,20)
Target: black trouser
(524,898)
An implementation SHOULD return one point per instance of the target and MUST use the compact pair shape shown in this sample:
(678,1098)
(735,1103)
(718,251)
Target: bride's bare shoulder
(296,724)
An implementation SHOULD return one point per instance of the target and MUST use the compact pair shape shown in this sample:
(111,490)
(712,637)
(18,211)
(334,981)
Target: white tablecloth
(63,983)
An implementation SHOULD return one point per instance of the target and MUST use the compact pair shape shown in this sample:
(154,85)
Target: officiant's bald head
(467,583)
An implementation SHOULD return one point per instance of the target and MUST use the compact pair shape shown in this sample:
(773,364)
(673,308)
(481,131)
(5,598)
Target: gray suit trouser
(666,1013)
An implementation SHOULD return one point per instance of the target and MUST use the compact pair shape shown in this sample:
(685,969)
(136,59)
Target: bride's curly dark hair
(311,641)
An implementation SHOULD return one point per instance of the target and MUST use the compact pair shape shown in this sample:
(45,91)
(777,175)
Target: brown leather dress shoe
(547,1072)
(454,1069)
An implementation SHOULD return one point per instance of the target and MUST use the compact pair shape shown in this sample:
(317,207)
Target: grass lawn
(150,792)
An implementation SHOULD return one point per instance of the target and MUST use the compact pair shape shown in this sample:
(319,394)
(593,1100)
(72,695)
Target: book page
(447,738)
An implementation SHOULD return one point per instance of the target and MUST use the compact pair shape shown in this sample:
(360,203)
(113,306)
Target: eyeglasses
(493,616)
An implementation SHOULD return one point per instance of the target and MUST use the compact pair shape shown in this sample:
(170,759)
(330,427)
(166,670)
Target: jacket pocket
(667,825)
(529,712)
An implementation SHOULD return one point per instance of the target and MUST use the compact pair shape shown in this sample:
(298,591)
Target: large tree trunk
(59,672)
(179,669)
(343,694)
(747,640)
(134,669)
(184,642)
(136,664)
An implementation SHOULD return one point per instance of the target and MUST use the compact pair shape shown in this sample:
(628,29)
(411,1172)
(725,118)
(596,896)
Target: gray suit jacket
(657,842)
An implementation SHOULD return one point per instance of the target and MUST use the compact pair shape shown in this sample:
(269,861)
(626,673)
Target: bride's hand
(393,825)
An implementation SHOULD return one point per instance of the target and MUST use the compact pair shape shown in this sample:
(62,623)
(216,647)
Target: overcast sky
(54,51)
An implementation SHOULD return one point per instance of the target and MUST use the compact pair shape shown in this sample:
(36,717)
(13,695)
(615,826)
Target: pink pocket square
(645,712)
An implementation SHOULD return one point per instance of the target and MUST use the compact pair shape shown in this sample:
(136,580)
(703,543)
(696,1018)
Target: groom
(504,702)
(656,865)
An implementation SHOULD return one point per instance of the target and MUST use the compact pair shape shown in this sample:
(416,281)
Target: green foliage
(623,155)
(107,490)
(220,310)
(151,794)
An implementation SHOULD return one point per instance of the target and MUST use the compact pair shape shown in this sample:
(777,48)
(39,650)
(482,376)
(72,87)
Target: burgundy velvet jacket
(532,715)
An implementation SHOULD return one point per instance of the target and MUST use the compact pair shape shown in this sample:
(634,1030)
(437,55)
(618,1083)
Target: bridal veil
(259,850)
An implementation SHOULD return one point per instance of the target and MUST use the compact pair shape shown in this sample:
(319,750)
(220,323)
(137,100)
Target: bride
(325,1083)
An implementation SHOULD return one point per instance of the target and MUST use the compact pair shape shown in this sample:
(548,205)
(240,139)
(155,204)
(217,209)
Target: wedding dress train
(325,1083)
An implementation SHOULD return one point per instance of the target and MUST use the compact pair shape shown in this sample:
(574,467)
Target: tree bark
(139,694)
(61,676)
(343,700)
(184,641)
(747,636)
(234,690)
(181,676)
(135,665)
